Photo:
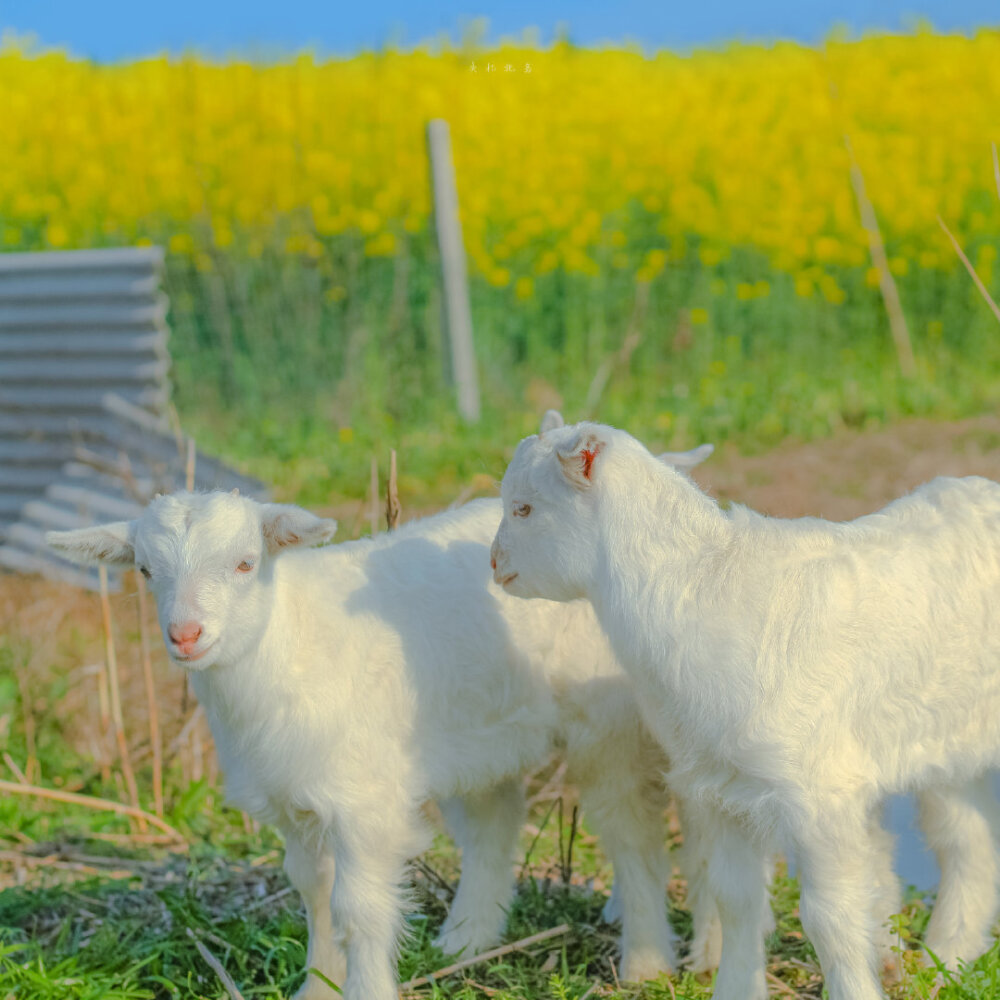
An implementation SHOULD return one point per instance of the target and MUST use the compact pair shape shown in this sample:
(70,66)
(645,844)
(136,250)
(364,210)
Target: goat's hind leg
(839,876)
(485,827)
(960,823)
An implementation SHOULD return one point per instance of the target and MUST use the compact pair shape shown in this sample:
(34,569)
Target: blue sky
(118,29)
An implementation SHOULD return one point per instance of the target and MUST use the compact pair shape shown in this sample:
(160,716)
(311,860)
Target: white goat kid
(796,672)
(345,686)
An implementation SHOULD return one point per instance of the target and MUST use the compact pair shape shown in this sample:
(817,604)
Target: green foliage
(302,368)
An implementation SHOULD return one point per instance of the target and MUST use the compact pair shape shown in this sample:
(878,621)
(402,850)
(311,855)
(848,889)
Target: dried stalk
(886,283)
(487,956)
(972,271)
(31,765)
(189,464)
(15,770)
(374,496)
(121,469)
(117,718)
(155,737)
(182,737)
(216,967)
(392,507)
(91,802)
(631,340)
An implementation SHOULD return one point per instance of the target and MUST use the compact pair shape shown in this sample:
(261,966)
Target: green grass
(100,920)
(132,937)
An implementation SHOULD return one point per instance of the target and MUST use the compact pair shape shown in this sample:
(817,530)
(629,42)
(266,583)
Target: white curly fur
(347,685)
(796,672)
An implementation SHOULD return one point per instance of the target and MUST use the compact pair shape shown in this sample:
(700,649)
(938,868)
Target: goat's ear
(105,543)
(687,459)
(578,464)
(284,525)
(551,420)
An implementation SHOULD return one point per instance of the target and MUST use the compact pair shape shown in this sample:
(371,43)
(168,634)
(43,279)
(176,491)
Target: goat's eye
(145,572)
(245,566)
(522,509)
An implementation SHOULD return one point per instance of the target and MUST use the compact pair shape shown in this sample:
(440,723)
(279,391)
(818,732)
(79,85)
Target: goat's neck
(658,543)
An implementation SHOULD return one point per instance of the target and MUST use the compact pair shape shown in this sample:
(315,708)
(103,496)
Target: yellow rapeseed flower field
(563,155)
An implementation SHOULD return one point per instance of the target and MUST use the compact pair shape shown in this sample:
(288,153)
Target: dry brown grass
(56,631)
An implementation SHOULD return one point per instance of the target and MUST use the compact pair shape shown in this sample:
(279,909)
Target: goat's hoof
(705,954)
(315,989)
(463,939)
(641,964)
(612,911)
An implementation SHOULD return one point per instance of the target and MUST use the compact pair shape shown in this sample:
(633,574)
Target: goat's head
(547,544)
(209,561)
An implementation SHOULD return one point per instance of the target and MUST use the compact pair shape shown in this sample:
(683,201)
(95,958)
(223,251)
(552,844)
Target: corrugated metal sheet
(84,395)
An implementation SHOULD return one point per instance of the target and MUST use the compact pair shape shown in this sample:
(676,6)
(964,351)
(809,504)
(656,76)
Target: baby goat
(347,685)
(796,672)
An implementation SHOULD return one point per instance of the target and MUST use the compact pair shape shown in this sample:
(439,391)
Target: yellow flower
(277,155)
(383,245)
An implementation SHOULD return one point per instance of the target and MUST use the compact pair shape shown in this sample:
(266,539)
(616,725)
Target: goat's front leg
(367,904)
(485,828)
(736,877)
(839,877)
(311,871)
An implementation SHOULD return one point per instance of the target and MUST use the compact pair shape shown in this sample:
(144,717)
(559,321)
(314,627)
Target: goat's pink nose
(184,634)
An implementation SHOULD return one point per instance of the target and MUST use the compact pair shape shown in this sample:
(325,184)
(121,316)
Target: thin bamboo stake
(117,718)
(972,271)
(996,167)
(155,737)
(487,956)
(374,497)
(192,455)
(886,282)
(197,754)
(91,802)
(104,713)
(392,507)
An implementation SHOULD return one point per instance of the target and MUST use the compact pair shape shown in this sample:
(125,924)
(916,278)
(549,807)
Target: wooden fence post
(457,314)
